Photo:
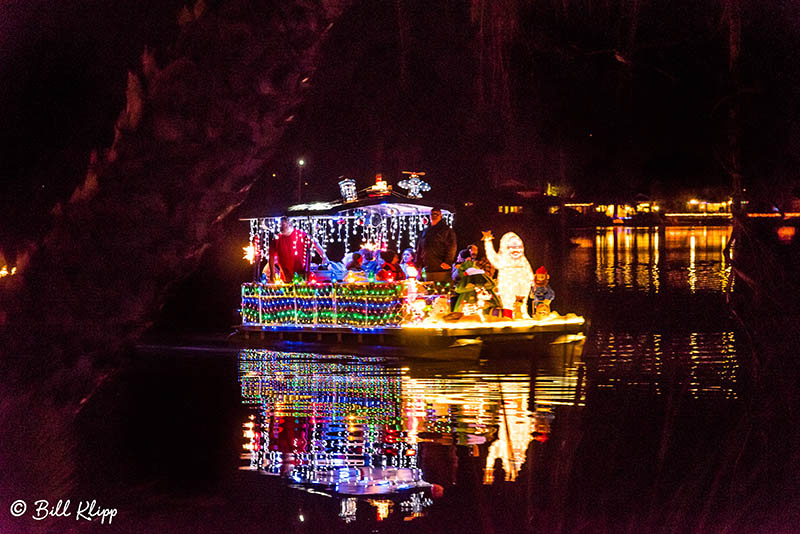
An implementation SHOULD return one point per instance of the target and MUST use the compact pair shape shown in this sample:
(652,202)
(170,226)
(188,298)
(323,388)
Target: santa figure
(514,273)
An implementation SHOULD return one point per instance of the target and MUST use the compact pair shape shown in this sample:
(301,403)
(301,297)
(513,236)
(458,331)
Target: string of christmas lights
(359,305)
(379,226)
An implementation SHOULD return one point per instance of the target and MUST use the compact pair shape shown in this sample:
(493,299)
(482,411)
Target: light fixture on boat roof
(347,188)
(314,206)
(414,184)
(381,188)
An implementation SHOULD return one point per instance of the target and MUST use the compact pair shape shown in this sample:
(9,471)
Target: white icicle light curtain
(383,225)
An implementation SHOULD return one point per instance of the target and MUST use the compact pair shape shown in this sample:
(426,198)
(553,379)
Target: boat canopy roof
(389,205)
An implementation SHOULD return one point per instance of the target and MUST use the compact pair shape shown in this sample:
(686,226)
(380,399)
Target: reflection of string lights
(324,419)
(338,420)
(383,507)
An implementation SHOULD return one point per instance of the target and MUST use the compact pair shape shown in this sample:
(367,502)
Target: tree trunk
(187,148)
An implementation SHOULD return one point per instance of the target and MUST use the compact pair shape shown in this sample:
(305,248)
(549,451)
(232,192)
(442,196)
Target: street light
(300,163)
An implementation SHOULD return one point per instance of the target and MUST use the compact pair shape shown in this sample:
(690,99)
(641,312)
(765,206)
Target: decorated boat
(329,303)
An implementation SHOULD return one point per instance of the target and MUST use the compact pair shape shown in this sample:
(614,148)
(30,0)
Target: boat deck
(430,336)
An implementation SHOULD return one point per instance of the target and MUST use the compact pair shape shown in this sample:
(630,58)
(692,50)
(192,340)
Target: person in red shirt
(290,249)
(390,271)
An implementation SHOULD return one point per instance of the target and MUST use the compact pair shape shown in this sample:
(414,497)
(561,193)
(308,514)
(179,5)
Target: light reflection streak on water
(655,273)
(636,259)
(707,360)
(692,267)
(627,266)
(599,247)
(627,258)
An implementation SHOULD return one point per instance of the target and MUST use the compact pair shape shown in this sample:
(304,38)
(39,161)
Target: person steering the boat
(290,250)
(436,248)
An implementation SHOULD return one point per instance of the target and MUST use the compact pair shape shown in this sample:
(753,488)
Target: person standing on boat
(436,248)
(290,249)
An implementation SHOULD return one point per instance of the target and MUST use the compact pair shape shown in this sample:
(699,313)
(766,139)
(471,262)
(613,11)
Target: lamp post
(300,163)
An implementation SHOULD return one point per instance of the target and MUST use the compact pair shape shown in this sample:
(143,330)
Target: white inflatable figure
(514,273)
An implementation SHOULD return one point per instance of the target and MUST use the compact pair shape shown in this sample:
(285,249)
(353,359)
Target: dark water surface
(636,427)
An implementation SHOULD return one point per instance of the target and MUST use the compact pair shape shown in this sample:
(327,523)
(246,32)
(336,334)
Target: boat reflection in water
(365,429)
(332,423)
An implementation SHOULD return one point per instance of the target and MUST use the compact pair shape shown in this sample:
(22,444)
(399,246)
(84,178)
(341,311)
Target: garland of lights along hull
(331,297)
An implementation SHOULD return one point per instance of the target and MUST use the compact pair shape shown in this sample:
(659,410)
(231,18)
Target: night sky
(595,96)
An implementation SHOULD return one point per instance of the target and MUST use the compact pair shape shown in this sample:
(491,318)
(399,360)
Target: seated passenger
(356,262)
(407,263)
(372,261)
(390,271)
(463,261)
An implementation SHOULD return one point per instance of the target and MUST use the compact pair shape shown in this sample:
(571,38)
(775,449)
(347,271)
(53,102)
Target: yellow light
(694,201)
(411,271)
(553,319)
(249,253)
(787,215)
(693,214)
(786,233)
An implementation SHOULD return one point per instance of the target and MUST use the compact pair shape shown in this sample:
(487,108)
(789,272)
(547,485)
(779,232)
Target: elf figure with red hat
(541,293)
